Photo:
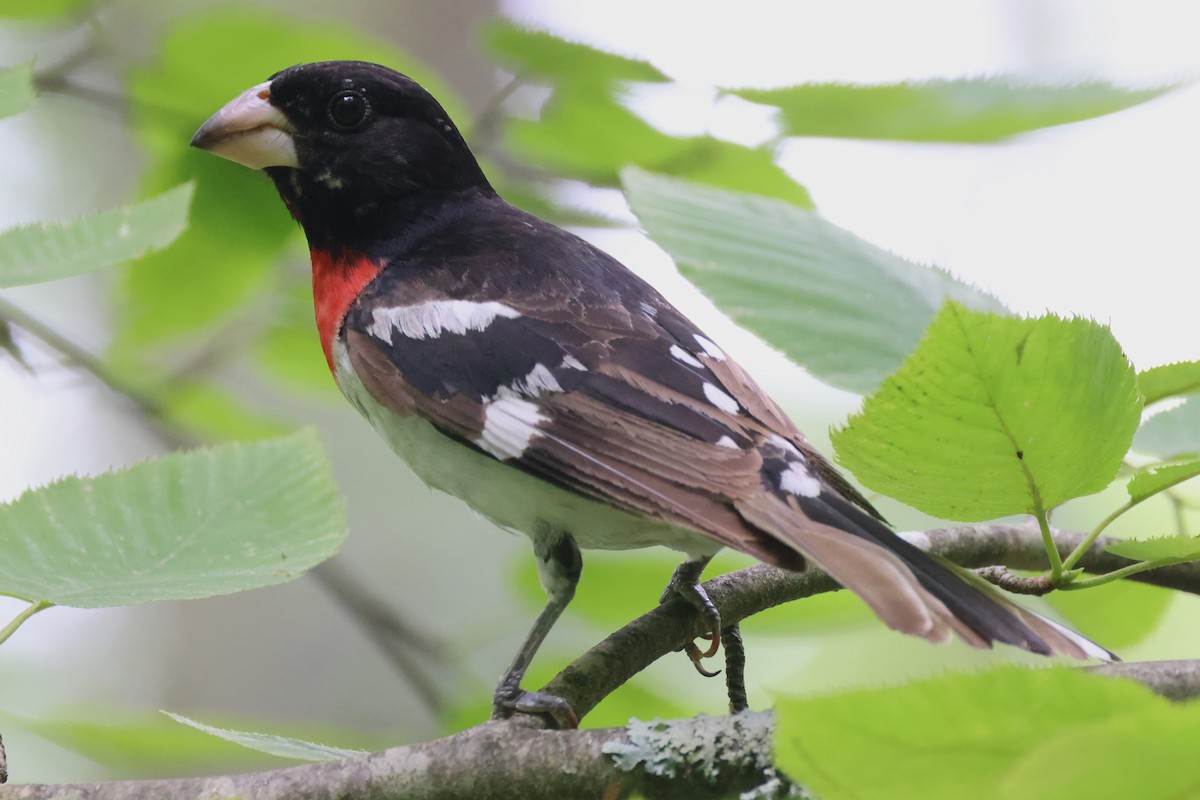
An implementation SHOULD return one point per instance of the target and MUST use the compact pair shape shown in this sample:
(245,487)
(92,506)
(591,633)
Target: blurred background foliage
(211,338)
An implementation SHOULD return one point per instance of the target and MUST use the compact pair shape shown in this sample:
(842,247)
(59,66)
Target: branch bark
(492,761)
(657,760)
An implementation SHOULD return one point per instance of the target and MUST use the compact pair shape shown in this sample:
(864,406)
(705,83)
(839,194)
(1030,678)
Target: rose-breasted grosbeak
(514,365)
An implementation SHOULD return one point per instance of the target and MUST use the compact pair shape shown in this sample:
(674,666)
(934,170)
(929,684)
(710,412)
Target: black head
(358,151)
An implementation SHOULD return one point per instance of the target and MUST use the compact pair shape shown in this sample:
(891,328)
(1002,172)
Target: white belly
(510,497)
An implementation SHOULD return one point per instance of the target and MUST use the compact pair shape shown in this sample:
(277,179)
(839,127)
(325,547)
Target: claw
(714,637)
(697,656)
(518,701)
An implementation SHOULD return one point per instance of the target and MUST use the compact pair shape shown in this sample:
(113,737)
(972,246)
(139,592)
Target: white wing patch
(708,347)
(431,319)
(683,355)
(799,481)
(727,441)
(571,362)
(509,424)
(721,400)
(537,381)
(783,443)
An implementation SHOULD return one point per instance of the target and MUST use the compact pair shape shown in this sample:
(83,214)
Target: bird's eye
(348,109)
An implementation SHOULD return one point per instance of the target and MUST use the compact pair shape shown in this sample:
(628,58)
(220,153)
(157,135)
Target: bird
(518,367)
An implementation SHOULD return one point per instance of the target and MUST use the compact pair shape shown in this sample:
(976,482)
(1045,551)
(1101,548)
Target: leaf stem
(33,608)
(1178,507)
(1056,562)
(150,409)
(1123,572)
(1088,540)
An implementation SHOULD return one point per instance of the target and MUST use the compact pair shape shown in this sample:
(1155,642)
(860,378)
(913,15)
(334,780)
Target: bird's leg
(735,668)
(686,584)
(559,567)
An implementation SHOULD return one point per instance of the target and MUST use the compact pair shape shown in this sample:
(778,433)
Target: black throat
(360,193)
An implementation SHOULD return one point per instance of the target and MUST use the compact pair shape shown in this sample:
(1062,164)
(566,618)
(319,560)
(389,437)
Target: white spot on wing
(537,381)
(721,400)
(650,311)
(784,444)
(571,362)
(799,481)
(727,441)
(431,319)
(708,347)
(683,355)
(509,424)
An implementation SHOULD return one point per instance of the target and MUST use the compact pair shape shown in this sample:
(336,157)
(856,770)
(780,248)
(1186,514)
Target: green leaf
(239,226)
(592,138)
(1156,479)
(846,310)
(1097,760)
(212,413)
(194,524)
(40,9)
(995,415)
(1171,434)
(16,88)
(1166,548)
(273,745)
(49,251)
(960,110)
(542,55)
(1169,380)
(585,132)
(961,736)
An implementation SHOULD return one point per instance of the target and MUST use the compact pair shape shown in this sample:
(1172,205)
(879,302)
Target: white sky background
(1097,218)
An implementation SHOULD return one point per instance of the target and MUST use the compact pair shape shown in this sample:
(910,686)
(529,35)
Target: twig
(148,409)
(1003,577)
(389,631)
(20,619)
(483,132)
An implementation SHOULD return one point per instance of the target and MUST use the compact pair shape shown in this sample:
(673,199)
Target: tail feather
(909,589)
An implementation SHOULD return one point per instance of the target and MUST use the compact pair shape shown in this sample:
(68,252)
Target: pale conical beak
(250,131)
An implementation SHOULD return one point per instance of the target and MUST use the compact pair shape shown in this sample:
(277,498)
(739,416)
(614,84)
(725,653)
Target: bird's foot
(685,583)
(509,700)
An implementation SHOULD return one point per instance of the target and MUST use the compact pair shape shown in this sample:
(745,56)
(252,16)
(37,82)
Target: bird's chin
(250,131)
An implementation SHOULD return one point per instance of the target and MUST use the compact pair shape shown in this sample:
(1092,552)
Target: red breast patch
(336,284)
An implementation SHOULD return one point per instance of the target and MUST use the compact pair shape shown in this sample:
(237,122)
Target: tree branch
(657,760)
(699,757)
(493,761)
